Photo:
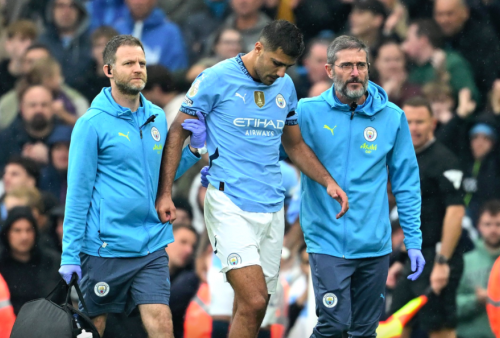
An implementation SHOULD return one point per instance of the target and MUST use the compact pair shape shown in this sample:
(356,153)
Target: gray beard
(341,87)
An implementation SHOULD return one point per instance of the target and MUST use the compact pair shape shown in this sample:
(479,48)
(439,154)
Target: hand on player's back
(340,196)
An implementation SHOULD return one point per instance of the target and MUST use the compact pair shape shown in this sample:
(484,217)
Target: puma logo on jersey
(126,136)
(242,97)
(330,129)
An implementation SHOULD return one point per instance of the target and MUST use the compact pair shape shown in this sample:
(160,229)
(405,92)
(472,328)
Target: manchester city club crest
(280,101)
(259,98)
(233,259)
(155,133)
(329,300)
(370,134)
(101,289)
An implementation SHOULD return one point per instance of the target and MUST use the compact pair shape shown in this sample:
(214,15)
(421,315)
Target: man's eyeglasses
(349,66)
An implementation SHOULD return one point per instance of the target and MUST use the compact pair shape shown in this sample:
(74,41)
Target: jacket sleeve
(188,159)
(82,170)
(405,181)
(467,305)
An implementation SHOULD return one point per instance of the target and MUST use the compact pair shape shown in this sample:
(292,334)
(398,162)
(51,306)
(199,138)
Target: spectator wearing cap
(146,22)
(19,172)
(474,39)
(94,79)
(481,172)
(423,45)
(67,37)
(29,133)
(367,22)
(54,176)
(20,35)
(29,270)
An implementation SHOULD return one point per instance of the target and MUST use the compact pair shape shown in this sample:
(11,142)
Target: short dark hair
(109,54)
(491,207)
(107,32)
(314,42)
(38,45)
(285,35)
(418,101)
(177,226)
(158,75)
(345,42)
(31,167)
(182,203)
(23,28)
(430,29)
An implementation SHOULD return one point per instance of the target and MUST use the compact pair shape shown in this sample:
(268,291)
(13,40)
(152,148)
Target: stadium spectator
(198,27)
(53,178)
(19,172)
(160,89)
(475,40)
(20,35)
(441,219)
(313,70)
(318,88)
(105,12)
(423,45)
(440,97)
(397,18)
(391,73)
(179,10)
(29,133)
(248,20)
(366,21)
(472,293)
(145,21)
(34,52)
(94,79)
(29,270)
(67,37)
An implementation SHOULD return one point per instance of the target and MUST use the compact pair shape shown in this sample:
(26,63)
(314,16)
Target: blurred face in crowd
(450,15)
(350,84)
(140,9)
(97,50)
(182,217)
(54,81)
(129,70)
(36,108)
(489,228)
(414,44)
(32,56)
(315,63)
(15,176)
(229,44)
(17,45)
(65,15)
(271,65)
(21,236)
(181,250)
(390,61)
(421,124)
(246,8)
(318,88)
(363,22)
(59,155)
(481,145)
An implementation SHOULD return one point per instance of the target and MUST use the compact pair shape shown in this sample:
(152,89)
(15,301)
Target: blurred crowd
(51,68)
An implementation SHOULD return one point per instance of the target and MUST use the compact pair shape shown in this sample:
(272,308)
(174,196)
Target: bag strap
(61,283)
(74,283)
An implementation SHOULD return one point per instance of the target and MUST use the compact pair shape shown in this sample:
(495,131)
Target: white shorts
(221,293)
(241,238)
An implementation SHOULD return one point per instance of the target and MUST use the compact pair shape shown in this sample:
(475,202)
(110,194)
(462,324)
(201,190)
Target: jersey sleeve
(202,95)
(291,118)
(449,178)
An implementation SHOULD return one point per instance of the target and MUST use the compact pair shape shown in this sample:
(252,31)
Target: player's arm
(307,162)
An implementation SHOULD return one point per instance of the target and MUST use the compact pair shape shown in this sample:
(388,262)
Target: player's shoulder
(92,115)
(221,68)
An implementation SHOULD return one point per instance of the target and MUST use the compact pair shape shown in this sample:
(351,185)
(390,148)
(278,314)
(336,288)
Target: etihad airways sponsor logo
(258,123)
(368,148)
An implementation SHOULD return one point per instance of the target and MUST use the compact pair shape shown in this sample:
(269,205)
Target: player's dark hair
(182,203)
(31,167)
(285,35)
(109,54)
(430,29)
(491,207)
(158,75)
(418,101)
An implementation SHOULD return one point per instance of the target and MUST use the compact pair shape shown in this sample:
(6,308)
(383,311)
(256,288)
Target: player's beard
(127,88)
(341,87)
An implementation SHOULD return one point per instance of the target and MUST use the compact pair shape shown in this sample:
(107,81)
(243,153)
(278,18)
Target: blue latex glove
(417,263)
(204,174)
(198,129)
(66,272)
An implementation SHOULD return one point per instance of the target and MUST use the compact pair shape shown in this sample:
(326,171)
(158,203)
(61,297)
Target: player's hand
(392,275)
(67,271)
(166,209)
(198,129)
(204,173)
(340,196)
(417,263)
(439,277)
